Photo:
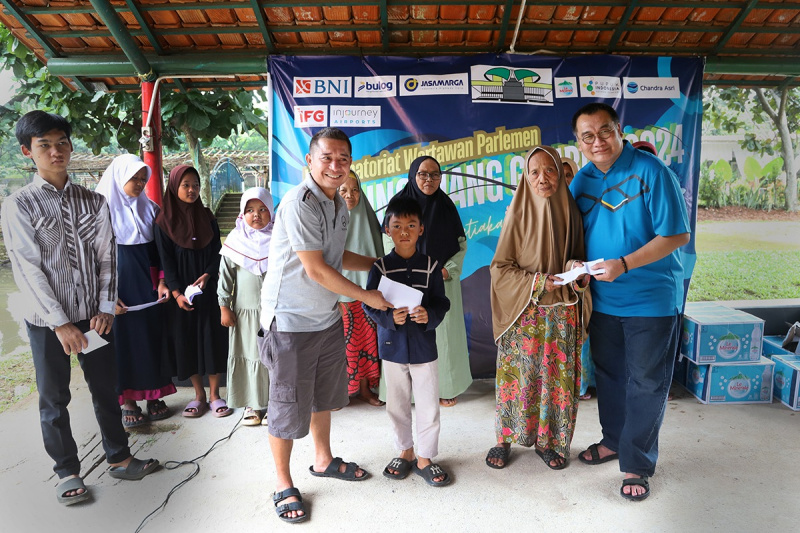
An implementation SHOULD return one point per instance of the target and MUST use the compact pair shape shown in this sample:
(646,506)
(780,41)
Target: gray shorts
(307,373)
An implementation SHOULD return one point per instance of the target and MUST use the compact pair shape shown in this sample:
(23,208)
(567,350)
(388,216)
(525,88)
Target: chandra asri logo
(632,87)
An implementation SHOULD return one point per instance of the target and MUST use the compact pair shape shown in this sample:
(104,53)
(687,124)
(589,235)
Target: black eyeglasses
(429,176)
(605,133)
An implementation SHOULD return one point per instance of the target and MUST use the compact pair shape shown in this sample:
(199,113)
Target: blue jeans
(633,359)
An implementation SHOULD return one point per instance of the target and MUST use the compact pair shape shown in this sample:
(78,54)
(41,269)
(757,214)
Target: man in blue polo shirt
(635,217)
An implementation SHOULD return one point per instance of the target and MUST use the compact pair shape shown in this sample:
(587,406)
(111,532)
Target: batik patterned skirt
(538,378)
(361,336)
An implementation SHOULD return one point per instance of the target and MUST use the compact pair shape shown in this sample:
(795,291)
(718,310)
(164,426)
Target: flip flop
(403,467)
(153,409)
(332,470)
(199,409)
(635,481)
(264,421)
(431,471)
(136,469)
(498,452)
(73,483)
(134,413)
(251,417)
(217,404)
(596,459)
(548,456)
(281,510)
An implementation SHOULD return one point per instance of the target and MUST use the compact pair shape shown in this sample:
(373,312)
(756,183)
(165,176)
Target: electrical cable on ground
(172,465)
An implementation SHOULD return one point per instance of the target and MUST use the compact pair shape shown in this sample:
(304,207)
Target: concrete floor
(727,468)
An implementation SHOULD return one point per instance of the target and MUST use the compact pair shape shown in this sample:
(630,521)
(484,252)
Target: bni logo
(302,86)
(329,87)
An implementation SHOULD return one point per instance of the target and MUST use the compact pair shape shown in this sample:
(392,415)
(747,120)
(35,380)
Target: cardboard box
(772,346)
(731,383)
(787,380)
(713,333)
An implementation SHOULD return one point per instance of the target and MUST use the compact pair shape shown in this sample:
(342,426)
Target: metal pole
(151,107)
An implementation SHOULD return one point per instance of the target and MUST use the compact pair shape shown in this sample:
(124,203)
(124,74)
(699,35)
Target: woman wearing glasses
(443,239)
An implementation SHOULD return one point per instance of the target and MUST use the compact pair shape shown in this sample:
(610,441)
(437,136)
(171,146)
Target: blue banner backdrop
(478,116)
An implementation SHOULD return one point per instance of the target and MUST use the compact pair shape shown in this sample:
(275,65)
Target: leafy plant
(101,119)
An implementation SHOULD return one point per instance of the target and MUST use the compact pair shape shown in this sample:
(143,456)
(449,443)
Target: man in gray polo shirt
(304,345)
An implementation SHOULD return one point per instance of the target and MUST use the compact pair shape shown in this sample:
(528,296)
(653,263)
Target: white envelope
(399,295)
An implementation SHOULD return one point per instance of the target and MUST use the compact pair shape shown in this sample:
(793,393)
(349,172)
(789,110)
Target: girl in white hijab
(241,273)
(138,336)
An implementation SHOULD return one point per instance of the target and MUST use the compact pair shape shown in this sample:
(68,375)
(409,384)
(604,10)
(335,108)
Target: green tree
(100,119)
(737,110)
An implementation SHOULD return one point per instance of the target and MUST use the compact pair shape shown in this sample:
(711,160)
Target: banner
(478,115)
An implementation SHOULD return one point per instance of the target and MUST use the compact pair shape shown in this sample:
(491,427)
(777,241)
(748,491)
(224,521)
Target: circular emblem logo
(632,87)
(739,388)
(411,84)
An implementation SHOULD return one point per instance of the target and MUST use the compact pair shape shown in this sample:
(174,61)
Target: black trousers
(52,379)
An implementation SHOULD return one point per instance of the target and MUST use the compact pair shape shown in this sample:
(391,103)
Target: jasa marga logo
(411,84)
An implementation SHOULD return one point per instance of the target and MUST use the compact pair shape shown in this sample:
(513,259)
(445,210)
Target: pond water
(13,337)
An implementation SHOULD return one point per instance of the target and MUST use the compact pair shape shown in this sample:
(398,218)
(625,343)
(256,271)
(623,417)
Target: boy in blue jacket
(407,345)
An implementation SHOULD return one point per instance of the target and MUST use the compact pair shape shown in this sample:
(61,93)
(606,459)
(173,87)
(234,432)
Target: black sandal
(402,466)
(635,481)
(595,456)
(548,456)
(283,510)
(498,452)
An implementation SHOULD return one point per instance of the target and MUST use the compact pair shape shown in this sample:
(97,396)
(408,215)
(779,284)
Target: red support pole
(152,152)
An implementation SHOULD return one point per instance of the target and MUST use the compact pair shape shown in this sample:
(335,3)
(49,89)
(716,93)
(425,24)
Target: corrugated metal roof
(757,39)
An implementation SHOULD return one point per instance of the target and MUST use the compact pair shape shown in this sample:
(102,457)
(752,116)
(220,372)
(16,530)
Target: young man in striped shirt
(64,256)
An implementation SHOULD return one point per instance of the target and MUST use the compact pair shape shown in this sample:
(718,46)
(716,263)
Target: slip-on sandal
(284,509)
(72,484)
(402,466)
(332,470)
(635,481)
(431,471)
(596,459)
(218,404)
(158,410)
(498,452)
(199,409)
(548,456)
(139,418)
(135,470)
(251,417)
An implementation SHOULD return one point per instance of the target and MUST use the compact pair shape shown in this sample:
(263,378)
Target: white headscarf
(131,217)
(248,247)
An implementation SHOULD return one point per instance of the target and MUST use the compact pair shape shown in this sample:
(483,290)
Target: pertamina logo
(328,87)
